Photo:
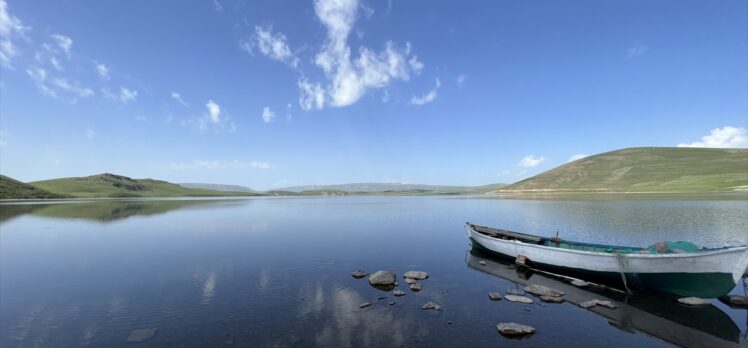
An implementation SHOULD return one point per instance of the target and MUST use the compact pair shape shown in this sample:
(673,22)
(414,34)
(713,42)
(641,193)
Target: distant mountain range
(646,169)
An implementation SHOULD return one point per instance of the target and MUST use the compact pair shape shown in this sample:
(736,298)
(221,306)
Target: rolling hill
(217,187)
(111,185)
(646,169)
(388,188)
(14,189)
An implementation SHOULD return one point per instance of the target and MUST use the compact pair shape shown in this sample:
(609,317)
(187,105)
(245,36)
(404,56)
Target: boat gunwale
(695,254)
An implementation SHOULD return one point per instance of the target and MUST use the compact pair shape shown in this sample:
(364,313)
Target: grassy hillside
(110,185)
(14,189)
(647,169)
(218,187)
(385,189)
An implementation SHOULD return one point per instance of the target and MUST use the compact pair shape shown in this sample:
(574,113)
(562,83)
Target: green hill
(110,185)
(14,189)
(646,169)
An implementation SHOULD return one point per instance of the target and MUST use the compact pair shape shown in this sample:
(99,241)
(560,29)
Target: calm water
(276,272)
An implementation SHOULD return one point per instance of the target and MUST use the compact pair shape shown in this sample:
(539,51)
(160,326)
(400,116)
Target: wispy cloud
(725,137)
(102,70)
(176,96)
(217,6)
(461,80)
(272,45)
(428,97)
(531,161)
(127,95)
(89,133)
(214,118)
(218,165)
(636,51)
(10,28)
(267,115)
(214,111)
(77,91)
(577,157)
(65,43)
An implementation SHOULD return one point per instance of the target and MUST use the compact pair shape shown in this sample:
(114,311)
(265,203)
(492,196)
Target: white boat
(704,272)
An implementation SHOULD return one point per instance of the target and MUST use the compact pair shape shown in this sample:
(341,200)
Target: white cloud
(64,42)
(272,45)
(127,95)
(74,88)
(368,11)
(217,6)
(55,63)
(531,161)
(10,28)
(89,133)
(725,137)
(178,98)
(267,114)
(214,111)
(577,157)
(636,51)
(312,95)
(102,70)
(218,165)
(428,97)
(461,80)
(39,76)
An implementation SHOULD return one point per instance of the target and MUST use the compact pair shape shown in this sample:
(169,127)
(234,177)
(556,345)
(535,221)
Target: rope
(623,263)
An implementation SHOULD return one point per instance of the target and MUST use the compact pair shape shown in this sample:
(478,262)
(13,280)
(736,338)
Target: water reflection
(652,314)
(104,210)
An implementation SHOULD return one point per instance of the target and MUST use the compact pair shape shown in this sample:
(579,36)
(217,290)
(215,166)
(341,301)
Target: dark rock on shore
(735,301)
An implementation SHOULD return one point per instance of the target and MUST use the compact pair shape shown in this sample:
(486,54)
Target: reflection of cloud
(264,279)
(209,288)
(117,306)
(313,299)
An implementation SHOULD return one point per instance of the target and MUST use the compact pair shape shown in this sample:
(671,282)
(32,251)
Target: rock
(580,283)
(141,335)
(693,301)
(364,305)
(410,280)
(449,322)
(517,298)
(596,302)
(359,274)
(482,262)
(382,278)
(735,300)
(416,287)
(517,292)
(392,303)
(382,298)
(495,296)
(514,329)
(431,305)
(543,291)
(551,299)
(398,293)
(418,275)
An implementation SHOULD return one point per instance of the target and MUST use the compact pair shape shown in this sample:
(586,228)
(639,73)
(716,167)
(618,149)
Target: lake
(276,272)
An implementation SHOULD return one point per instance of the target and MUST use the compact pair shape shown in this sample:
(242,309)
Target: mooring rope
(623,262)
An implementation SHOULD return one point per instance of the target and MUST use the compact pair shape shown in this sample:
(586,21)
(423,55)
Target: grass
(117,186)
(14,189)
(648,170)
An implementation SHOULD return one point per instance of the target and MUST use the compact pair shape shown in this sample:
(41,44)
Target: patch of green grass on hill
(117,186)
(646,169)
(14,189)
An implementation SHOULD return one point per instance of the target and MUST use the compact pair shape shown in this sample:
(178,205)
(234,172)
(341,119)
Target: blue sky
(270,94)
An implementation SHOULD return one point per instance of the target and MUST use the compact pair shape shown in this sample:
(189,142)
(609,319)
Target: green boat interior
(666,247)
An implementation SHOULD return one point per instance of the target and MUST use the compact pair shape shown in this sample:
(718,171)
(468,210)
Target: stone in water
(693,301)
(514,329)
(517,298)
(551,299)
(418,275)
(416,287)
(543,291)
(141,335)
(494,296)
(431,305)
(482,262)
(359,274)
(364,305)
(410,280)
(382,278)
(398,293)
(580,283)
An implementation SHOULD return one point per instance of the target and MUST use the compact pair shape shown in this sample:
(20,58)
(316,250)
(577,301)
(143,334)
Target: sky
(269,94)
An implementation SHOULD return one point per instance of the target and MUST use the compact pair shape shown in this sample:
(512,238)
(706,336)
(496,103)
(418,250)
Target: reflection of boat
(703,272)
(651,314)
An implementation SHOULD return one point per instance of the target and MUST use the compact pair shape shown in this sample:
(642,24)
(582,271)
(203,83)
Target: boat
(704,272)
(652,314)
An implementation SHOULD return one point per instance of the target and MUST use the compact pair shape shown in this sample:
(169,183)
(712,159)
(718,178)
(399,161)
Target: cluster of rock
(387,281)
(596,302)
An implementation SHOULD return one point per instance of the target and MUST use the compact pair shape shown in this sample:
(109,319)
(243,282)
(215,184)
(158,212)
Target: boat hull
(705,274)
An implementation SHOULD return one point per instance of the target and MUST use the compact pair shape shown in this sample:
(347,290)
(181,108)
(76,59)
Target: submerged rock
(543,291)
(382,278)
(364,305)
(693,301)
(418,275)
(141,335)
(580,283)
(382,298)
(735,300)
(552,299)
(495,296)
(514,329)
(416,287)
(431,305)
(596,302)
(398,293)
(359,274)
(410,281)
(517,298)
(517,292)
(392,303)
(482,262)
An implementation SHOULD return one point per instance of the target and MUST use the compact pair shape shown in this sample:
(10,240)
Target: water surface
(275,271)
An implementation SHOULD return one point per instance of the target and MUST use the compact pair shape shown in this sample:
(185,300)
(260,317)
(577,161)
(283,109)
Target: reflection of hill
(101,211)
(651,314)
